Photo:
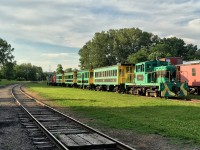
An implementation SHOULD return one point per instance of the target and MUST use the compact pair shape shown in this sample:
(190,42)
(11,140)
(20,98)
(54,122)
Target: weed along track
(51,129)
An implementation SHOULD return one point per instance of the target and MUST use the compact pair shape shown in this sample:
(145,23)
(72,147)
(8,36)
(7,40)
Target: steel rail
(45,131)
(120,145)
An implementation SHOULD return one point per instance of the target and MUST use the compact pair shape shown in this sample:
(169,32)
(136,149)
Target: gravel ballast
(12,135)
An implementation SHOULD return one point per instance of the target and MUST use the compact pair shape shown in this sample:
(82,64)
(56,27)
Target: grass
(4,82)
(171,118)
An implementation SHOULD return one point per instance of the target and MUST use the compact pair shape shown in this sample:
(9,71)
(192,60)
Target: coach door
(121,75)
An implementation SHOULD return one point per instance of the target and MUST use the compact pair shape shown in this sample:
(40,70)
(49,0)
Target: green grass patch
(178,119)
(4,82)
(193,96)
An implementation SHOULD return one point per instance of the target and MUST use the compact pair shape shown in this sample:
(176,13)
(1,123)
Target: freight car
(190,73)
(157,78)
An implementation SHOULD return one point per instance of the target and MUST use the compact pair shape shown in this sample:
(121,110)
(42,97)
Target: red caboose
(191,74)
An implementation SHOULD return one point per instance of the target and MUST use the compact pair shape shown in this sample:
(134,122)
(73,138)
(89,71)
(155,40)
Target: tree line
(10,70)
(132,45)
(128,45)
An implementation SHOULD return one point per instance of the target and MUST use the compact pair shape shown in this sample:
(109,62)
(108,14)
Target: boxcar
(190,73)
(113,78)
(85,79)
(70,79)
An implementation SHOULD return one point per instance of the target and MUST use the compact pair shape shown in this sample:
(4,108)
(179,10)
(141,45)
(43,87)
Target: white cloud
(55,55)
(194,24)
(72,23)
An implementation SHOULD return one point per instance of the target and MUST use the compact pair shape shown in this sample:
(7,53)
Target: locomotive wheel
(155,94)
(147,94)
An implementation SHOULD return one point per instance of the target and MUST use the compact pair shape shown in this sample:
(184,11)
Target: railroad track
(51,129)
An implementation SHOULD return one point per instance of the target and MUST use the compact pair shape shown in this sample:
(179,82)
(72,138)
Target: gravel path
(12,135)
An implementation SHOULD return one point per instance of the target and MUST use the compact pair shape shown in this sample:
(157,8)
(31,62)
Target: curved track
(52,129)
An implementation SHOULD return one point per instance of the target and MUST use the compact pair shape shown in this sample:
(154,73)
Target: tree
(28,72)
(7,71)
(192,52)
(139,56)
(59,69)
(114,46)
(130,46)
(5,52)
(68,70)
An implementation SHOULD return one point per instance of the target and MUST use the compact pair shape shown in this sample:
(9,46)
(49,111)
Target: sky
(50,32)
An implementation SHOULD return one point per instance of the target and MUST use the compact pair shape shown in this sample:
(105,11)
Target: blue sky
(50,32)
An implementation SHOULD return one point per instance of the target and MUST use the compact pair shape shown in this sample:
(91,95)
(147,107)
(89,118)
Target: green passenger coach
(85,79)
(70,79)
(112,77)
(60,79)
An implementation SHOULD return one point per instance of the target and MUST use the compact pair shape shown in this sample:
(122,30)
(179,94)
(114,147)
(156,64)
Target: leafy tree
(132,45)
(75,69)
(192,52)
(7,71)
(5,52)
(114,46)
(59,69)
(139,56)
(68,70)
(29,72)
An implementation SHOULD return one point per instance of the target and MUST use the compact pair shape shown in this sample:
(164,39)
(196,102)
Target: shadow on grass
(64,99)
(181,122)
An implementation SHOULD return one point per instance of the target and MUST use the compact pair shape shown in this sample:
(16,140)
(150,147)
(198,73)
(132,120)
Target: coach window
(193,71)
(112,73)
(127,69)
(91,74)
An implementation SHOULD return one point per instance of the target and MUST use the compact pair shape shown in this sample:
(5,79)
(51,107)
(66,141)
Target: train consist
(157,78)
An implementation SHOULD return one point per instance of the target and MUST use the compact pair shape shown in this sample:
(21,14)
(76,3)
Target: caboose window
(193,71)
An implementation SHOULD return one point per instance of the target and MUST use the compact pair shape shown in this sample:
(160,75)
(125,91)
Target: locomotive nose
(175,89)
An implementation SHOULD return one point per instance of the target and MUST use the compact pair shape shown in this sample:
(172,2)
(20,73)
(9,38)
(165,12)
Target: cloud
(55,29)
(194,24)
(55,55)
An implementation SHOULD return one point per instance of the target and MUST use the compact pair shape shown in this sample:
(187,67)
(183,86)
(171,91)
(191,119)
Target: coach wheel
(147,94)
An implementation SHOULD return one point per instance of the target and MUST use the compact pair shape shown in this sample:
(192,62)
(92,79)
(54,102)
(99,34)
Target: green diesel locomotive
(157,78)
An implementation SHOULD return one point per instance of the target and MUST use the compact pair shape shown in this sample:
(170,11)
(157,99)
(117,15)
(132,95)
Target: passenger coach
(113,78)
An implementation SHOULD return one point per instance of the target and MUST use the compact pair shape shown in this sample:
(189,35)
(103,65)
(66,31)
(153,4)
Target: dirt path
(12,135)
